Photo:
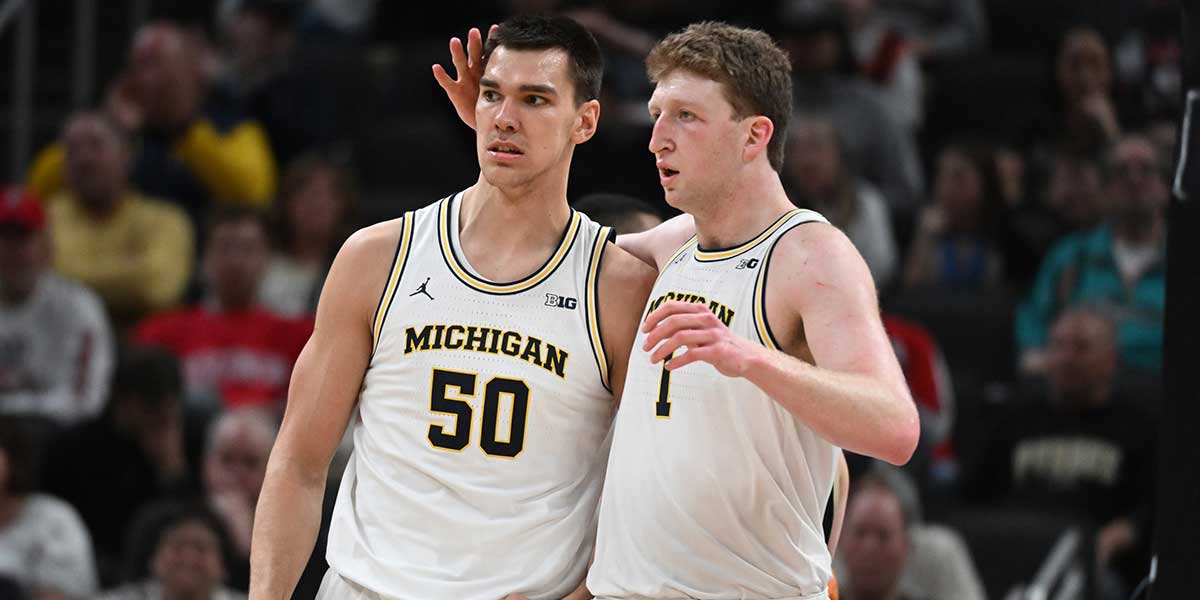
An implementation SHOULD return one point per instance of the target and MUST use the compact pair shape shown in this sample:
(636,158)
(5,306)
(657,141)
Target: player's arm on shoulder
(625,283)
(321,398)
(856,395)
(655,246)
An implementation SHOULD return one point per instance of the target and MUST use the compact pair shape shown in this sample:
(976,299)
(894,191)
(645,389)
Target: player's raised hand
(468,67)
(676,324)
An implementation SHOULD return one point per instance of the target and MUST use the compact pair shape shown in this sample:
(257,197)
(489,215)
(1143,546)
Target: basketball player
(477,338)
(761,351)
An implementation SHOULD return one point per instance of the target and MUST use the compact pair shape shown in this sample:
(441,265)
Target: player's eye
(490,95)
(686,115)
(535,100)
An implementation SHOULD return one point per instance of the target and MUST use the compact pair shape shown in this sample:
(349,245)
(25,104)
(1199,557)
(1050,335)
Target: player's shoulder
(373,242)
(817,252)
(624,272)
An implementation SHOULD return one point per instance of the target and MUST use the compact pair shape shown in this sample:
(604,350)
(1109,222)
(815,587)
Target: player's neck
(506,232)
(745,210)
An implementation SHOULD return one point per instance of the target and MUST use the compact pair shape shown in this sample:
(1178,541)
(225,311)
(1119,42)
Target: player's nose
(660,138)
(506,118)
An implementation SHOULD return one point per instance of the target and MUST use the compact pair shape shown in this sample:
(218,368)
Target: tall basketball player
(761,351)
(478,339)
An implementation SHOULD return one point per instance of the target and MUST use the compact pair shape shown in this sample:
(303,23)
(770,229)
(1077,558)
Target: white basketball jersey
(480,442)
(714,490)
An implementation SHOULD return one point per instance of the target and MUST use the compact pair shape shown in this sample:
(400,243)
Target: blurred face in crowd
(1137,188)
(1083,66)
(253,41)
(97,160)
(875,542)
(188,560)
(237,455)
(165,67)
(958,190)
(528,119)
(814,53)
(697,141)
(1082,358)
(1074,192)
(235,261)
(814,160)
(24,254)
(316,207)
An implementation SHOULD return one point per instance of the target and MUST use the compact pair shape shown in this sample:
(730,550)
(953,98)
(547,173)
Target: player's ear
(758,137)
(587,117)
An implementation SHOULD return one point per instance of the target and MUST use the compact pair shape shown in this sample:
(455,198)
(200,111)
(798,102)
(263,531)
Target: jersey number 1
(460,434)
(662,408)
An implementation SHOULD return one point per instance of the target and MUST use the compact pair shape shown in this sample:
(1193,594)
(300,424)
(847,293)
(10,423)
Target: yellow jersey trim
(593,308)
(389,291)
(464,275)
(712,255)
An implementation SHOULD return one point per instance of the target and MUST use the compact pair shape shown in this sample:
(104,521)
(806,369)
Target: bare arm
(321,399)
(855,395)
(625,284)
(655,247)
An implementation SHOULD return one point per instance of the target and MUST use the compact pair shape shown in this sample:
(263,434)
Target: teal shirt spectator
(1080,270)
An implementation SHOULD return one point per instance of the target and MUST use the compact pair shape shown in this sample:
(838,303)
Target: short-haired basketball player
(478,339)
(761,351)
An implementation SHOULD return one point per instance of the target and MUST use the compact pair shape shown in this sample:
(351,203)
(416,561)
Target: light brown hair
(755,71)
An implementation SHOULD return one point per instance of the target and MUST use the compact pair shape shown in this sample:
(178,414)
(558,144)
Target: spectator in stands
(625,214)
(928,379)
(1084,450)
(1087,120)
(56,350)
(956,245)
(194,147)
(1118,266)
(314,216)
(235,463)
(826,81)
(43,542)
(177,551)
(889,61)
(234,352)
(135,252)
(939,30)
(818,178)
(134,453)
(889,534)
(266,76)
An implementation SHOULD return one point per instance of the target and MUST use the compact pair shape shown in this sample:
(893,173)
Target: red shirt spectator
(244,357)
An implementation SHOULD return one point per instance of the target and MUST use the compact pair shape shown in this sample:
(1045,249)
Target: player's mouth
(666,175)
(505,151)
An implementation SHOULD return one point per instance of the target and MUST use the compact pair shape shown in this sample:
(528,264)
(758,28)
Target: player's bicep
(329,372)
(834,296)
(625,284)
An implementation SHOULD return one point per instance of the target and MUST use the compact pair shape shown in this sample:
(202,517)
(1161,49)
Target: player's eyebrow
(533,88)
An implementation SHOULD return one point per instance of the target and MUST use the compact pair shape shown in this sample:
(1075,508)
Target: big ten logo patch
(561,301)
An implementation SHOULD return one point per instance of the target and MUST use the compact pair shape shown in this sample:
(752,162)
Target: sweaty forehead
(681,84)
(509,67)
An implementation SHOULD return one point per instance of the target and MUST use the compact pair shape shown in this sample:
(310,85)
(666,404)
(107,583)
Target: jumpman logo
(422,290)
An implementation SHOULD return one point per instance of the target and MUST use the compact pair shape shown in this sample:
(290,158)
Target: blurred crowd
(1002,165)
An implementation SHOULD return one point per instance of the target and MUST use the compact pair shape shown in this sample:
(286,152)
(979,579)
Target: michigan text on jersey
(487,340)
(724,313)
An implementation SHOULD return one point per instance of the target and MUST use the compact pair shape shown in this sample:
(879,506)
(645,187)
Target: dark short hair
(148,372)
(614,210)
(755,71)
(541,32)
(155,520)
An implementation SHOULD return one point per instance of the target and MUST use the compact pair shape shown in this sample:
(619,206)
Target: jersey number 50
(460,433)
